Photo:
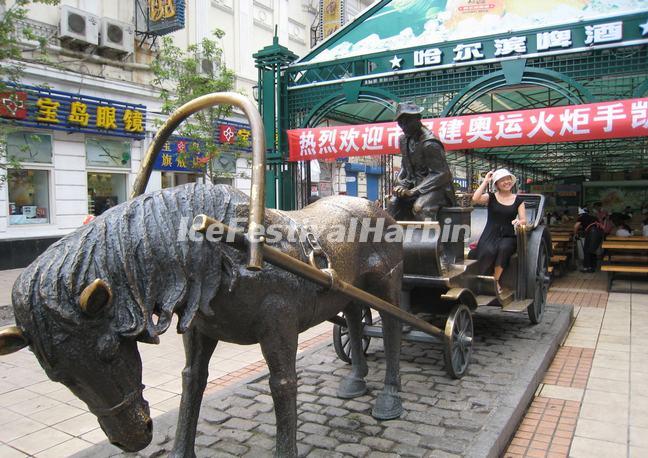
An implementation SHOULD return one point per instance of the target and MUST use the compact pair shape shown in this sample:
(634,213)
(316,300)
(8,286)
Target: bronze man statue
(424,184)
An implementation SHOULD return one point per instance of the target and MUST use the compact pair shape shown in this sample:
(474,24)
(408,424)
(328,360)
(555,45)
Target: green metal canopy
(416,50)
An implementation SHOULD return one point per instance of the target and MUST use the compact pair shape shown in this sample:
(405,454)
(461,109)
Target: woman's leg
(506,248)
(498,272)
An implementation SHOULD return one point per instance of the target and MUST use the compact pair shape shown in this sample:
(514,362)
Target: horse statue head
(79,347)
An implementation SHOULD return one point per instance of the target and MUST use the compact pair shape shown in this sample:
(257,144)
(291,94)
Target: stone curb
(493,440)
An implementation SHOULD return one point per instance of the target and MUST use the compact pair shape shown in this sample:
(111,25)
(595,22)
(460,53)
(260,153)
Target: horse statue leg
(388,403)
(354,385)
(279,347)
(198,351)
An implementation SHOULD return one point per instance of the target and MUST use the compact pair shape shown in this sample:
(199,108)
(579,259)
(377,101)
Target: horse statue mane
(133,245)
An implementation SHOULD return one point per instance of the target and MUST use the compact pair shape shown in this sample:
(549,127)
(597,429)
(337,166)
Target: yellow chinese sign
(133,121)
(106,117)
(161,9)
(79,114)
(47,108)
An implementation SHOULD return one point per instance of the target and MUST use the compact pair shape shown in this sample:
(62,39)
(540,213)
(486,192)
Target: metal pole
(257,194)
(202,224)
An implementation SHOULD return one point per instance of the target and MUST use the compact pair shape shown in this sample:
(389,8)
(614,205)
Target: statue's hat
(409,108)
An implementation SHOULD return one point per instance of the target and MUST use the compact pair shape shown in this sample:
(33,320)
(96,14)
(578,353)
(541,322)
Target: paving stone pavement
(474,416)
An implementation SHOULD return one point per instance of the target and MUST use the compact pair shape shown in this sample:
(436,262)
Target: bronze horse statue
(84,304)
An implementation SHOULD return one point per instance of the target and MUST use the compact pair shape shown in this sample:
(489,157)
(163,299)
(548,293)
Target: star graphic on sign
(396,62)
(644,28)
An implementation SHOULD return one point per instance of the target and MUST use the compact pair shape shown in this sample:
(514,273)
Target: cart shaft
(238,239)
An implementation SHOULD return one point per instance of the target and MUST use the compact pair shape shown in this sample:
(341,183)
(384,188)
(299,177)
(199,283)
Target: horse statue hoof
(351,387)
(387,407)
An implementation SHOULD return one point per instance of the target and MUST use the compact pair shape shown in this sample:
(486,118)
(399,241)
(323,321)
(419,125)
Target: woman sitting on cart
(505,211)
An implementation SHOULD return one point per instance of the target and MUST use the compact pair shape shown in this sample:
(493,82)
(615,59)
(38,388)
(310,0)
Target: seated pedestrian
(553,219)
(593,232)
(505,212)
(623,230)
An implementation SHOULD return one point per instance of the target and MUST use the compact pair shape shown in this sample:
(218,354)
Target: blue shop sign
(180,155)
(32,106)
(165,16)
(461,183)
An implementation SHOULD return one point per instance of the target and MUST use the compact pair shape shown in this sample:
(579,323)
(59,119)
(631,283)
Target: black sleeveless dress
(497,243)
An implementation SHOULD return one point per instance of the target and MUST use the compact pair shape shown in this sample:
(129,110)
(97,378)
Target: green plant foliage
(182,76)
(11,66)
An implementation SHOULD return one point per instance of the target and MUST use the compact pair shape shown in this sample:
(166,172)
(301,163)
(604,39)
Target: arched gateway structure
(555,91)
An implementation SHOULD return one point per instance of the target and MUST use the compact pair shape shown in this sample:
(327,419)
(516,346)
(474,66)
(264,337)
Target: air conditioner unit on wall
(78,26)
(116,37)
(208,67)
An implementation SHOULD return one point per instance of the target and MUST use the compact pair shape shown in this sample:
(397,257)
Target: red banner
(572,123)
(13,105)
(233,134)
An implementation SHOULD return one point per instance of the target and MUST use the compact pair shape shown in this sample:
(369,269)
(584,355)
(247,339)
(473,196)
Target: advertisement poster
(615,195)
(408,23)
(331,16)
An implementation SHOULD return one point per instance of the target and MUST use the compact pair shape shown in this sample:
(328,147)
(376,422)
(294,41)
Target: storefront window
(223,180)
(28,196)
(171,179)
(105,190)
(108,153)
(29,147)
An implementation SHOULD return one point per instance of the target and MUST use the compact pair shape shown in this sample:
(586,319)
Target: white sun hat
(501,173)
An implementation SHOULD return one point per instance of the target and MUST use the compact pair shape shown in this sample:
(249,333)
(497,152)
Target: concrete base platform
(475,416)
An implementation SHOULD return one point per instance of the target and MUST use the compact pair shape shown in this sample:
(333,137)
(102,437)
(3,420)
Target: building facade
(84,122)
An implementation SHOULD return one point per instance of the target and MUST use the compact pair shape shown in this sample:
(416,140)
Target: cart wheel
(341,341)
(539,278)
(458,341)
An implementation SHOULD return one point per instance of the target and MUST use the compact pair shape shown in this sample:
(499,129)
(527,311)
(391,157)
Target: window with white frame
(28,177)
(108,163)
(171,179)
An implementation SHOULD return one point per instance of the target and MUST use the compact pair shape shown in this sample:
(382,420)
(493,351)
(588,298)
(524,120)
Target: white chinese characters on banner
(541,122)
(617,119)
(468,52)
(307,143)
(372,138)
(603,33)
(431,56)
(509,126)
(450,131)
(554,39)
(348,140)
(393,134)
(572,121)
(326,141)
(507,46)
(609,114)
(639,113)
(480,128)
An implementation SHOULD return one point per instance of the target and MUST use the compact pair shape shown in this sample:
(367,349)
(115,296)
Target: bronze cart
(437,277)
(441,279)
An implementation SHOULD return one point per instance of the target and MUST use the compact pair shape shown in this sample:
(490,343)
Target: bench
(632,238)
(624,255)
(562,248)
